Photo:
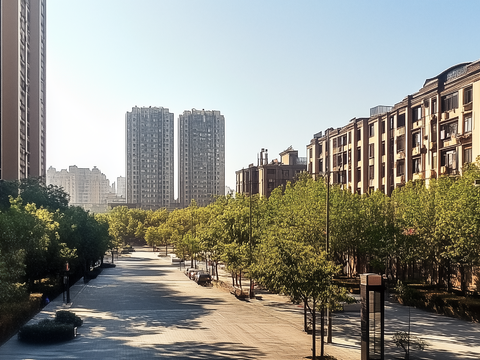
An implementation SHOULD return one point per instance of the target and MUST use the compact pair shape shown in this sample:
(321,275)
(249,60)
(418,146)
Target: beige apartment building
(265,177)
(430,133)
(89,189)
(22,89)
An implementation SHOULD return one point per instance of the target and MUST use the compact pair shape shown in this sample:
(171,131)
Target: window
(449,159)
(434,106)
(400,168)
(417,164)
(416,139)
(320,165)
(371,130)
(371,172)
(392,118)
(467,155)
(416,113)
(434,132)
(467,123)
(359,154)
(359,134)
(359,174)
(467,95)
(448,130)
(400,143)
(383,170)
(371,151)
(383,127)
(401,121)
(383,148)
(450,101)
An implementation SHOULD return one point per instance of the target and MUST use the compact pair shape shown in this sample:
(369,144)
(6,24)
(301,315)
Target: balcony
(417,124)
(451,142)
(416,150)
(418,176)
(400,155)
(400,131)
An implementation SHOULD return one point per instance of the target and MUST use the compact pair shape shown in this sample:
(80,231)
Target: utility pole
(327,244)
(252,284)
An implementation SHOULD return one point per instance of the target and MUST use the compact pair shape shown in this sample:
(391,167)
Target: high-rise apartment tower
(201,163)
(149,157)
(22,88)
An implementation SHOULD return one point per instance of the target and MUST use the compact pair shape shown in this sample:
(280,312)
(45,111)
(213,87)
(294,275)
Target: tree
(303,273)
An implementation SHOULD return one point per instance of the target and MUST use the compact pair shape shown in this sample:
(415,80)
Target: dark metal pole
(327,237)
(252,285)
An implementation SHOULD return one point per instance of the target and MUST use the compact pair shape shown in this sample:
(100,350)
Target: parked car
(187,271)
(197,274)
(203,279)
(191,273)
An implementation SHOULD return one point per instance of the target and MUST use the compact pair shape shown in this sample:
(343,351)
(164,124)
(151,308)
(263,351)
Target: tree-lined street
(146,308)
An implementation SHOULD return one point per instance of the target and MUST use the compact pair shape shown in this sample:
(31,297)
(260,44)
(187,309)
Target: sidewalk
(146,308)
(447,338)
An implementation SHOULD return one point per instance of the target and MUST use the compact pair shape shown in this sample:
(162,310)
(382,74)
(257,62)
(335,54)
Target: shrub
(46,331)
(68,317)
(406,294)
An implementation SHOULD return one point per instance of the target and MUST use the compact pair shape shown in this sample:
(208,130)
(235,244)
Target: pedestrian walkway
(146,308)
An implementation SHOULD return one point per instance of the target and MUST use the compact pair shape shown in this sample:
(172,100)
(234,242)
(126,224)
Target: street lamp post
(252,284)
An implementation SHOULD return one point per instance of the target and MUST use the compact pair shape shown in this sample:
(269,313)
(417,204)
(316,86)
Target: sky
(279,71)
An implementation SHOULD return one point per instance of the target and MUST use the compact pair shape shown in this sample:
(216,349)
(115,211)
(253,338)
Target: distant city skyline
(278,71)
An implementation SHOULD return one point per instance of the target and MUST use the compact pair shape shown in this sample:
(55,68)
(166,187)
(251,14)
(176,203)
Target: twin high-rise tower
(150,150)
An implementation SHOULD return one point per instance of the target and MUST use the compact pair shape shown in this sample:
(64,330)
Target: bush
(68,317)
(62,328)
(46,331)
(407,295)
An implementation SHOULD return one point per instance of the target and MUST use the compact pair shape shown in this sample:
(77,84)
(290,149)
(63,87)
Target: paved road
(145,309)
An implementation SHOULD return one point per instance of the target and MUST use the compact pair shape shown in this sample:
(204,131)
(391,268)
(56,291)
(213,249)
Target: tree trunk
(233,279)
(329,326)
(241,290)
(305,326)
(166,249)
(449,276)
(314,340)
(463,280)
(322,332)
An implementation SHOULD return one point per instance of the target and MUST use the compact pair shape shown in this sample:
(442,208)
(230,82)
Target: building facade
(87,188)
(22,89)
(428,134)
(201,164)
(265,177)
(150,157)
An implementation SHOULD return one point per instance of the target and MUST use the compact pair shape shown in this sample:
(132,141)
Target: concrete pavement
(145,308)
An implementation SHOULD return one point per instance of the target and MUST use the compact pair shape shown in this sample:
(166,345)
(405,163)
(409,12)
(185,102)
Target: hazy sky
(279,71)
